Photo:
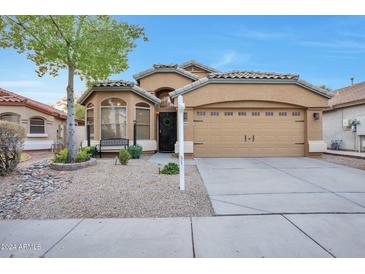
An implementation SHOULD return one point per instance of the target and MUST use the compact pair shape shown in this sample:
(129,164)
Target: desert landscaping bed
(108,190)
(346,161)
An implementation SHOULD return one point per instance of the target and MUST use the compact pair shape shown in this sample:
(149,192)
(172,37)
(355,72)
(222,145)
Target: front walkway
(165,158)
(319,235)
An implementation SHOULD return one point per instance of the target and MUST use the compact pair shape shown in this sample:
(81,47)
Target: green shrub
(135,151)
(61,157)
(124,156)
(170,169)
(11,144)
(82,156)
(91,150)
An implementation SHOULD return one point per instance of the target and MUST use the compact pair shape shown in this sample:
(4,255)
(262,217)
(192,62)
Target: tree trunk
(71,131)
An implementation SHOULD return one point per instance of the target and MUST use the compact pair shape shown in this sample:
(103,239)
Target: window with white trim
(228,113)
(283,113)
(242,113)
(214,113)
(37,126)
(143,121)
(200,113)
(113,118)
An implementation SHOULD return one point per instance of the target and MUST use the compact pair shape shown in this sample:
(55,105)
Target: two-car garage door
(248,132)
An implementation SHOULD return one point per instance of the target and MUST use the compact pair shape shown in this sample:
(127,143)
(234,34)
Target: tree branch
(68,43)
(26,30)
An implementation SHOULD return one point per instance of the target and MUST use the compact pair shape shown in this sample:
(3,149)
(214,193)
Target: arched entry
(163,94)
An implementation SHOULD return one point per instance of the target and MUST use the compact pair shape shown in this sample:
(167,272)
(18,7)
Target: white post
(180,123)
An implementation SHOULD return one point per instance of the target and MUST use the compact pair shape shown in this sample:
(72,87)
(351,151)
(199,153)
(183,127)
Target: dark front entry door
(167,131)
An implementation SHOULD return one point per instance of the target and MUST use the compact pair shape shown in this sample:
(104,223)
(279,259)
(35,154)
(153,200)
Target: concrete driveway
(281,186)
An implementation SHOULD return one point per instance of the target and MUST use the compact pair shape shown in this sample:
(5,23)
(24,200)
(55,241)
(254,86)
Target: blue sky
(322,49)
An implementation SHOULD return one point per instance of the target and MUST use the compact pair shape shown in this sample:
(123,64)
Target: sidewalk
(165,158)
(354,154)
(308,235)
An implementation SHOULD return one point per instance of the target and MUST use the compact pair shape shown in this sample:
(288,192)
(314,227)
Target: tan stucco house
(228,114)
(44,125)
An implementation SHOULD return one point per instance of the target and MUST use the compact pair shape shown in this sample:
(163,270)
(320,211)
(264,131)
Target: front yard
(103,191)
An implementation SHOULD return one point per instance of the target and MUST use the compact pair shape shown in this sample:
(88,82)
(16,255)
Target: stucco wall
(131,99)
(197,71)
(258,96)
(281,93)
(159,80)
(332,126)
(51,126)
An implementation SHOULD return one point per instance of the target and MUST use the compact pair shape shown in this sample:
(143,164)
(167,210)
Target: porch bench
(112,142)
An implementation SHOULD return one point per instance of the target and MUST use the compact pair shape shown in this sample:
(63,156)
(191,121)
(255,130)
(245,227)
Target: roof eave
(136,89)
(197,64)
(206,81)
(148,72)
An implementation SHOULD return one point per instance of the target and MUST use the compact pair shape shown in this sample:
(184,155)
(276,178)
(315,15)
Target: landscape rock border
(73,166)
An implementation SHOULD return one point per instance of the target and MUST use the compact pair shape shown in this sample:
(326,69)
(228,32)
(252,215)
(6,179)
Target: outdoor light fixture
(316,115)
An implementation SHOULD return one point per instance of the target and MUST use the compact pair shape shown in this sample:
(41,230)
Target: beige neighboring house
(344,120)
(44,124)
(228,114)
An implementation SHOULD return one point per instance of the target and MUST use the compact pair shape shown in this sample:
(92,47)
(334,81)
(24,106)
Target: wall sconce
(316,115)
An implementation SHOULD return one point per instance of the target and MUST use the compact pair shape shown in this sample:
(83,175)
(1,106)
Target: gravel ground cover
(108,190)
(346,161)
(28,185)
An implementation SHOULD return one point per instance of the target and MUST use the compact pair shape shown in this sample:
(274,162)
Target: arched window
(10,117)
(37,126)
(90,118)
(143,121)
(113,118)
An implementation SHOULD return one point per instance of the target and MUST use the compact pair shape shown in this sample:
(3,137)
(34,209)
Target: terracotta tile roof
(11,98)
(197,64)
(165,68)
(252,75)
(348,95)
(122,84)
(159,66)
(249,77)
(114,83)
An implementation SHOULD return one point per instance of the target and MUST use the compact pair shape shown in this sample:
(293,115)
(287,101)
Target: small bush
(82,156)
(135,151)
(91,150)
(170,169)
(61,157)
(124,156)
(11,144)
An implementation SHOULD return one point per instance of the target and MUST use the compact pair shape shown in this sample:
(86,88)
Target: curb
(73,166)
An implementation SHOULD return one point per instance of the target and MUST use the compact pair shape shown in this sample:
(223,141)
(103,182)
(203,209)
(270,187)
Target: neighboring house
(44,125)
(344,120)
(233,114)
